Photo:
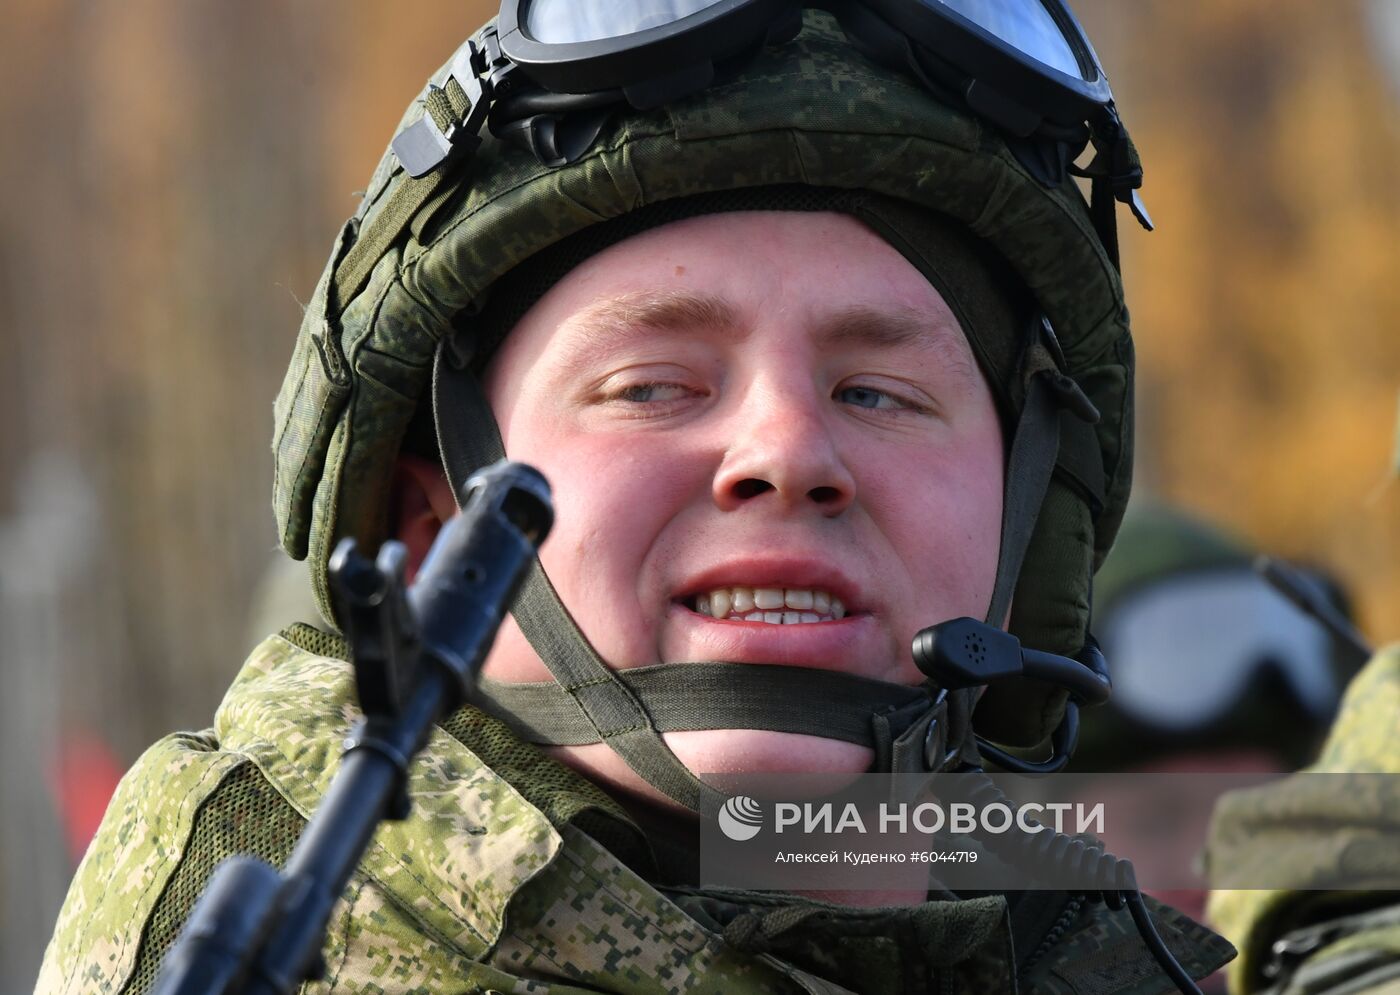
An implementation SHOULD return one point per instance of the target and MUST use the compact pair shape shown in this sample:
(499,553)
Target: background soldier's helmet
(808,125)
(1207,655)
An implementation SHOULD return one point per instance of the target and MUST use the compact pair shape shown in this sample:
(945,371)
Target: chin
(723,752)
(757,751)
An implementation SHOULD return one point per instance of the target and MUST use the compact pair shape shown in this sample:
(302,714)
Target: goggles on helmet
(548,72)
(1192,649)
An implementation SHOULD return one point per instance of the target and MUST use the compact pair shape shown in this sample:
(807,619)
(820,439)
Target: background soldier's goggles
(1187,650)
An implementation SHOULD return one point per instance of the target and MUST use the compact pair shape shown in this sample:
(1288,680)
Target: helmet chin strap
(910,729)
(1029,464)
(469,439)
(1050,395)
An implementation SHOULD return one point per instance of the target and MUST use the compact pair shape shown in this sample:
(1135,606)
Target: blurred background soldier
(1213,668)
(1214,671)
(1335,928)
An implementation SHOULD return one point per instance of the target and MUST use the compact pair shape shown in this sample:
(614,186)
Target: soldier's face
(742,404)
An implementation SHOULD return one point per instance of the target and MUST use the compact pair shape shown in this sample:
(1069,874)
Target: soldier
(818,344)
(1334,926)
(1331,924)
(1213,669)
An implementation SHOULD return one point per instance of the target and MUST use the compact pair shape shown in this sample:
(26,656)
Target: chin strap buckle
(916,738)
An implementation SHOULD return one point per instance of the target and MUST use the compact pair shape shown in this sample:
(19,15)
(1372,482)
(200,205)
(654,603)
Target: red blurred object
(82,779)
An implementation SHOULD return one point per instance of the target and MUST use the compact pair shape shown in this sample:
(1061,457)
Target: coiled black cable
(1111,879)
(964,652)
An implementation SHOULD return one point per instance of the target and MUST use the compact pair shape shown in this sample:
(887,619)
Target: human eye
(642,393)
(873,398)
(652,393)
(867,397)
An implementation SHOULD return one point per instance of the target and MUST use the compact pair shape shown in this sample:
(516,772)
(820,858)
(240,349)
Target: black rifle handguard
(256,930)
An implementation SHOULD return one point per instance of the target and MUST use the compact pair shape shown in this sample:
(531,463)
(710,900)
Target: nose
(781,451)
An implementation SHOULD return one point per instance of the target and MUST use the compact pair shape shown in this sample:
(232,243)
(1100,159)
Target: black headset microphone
(965,653)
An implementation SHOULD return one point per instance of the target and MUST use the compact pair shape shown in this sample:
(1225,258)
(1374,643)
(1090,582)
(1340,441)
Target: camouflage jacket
(516,875)
(1337,929)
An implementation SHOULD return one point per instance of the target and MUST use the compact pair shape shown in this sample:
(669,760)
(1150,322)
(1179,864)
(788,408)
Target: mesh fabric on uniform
(317,642)
(244,814)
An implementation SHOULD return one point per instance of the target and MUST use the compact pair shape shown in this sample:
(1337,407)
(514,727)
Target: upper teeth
(767,604)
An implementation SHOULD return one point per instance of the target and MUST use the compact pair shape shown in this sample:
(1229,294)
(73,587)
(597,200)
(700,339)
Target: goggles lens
(1025,25)
(562,22)
(1185,651)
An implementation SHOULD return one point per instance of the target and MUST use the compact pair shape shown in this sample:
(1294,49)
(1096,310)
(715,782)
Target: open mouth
(769,605)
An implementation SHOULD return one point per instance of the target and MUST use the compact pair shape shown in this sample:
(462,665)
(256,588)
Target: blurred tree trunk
(174,174)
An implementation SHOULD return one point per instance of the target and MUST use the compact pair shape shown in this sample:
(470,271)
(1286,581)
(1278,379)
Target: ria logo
(740,818)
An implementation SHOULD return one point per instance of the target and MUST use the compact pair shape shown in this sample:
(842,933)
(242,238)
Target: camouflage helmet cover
(811,112)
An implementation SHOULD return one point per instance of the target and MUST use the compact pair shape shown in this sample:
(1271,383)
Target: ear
(420,501)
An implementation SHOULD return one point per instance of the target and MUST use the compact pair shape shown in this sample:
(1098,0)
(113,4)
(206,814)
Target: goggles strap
(1115,175)
(469,440)
(1103,210)
(431,152)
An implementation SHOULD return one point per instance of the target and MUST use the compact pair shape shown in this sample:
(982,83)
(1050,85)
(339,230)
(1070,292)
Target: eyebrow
(892,327)
(657,311)
(617,318)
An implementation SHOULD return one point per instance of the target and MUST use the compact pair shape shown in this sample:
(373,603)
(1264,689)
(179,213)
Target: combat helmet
(1214,648)
(808,107)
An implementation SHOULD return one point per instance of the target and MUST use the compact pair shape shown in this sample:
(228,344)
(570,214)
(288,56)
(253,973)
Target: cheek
(975,506)
(614,499)
(940,511)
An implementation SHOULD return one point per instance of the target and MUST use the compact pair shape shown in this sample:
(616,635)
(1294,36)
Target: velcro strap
(377,233)
(1080,460)
(448,108)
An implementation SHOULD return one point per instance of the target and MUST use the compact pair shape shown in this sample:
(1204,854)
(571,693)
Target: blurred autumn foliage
(173,174)
(1267,306)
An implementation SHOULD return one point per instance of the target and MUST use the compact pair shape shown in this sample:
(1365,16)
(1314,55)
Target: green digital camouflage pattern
(1102,952)
(1320,831)
(812,112)
(119,880)
(481,891)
